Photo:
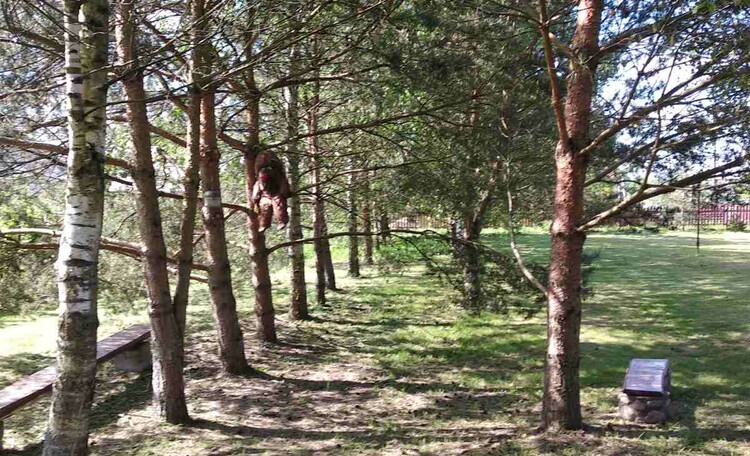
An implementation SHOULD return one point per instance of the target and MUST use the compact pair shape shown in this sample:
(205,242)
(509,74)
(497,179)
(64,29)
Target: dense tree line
(152,116)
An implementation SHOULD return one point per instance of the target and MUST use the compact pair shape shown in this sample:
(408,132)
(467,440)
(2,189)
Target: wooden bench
(128,345)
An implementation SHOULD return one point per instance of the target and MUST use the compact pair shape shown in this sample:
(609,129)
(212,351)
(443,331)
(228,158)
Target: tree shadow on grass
(22,364)
(120,395)
(644,432)
(116,394)
(398,385)
(382,322)
(368,437)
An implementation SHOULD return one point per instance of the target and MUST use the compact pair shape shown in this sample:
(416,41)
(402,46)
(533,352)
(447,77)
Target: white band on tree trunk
(212,198)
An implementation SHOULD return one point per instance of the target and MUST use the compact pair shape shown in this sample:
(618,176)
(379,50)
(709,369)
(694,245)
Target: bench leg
(136,360)
(2,429)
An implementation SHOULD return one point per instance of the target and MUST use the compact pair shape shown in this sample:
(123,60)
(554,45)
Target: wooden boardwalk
(29,388)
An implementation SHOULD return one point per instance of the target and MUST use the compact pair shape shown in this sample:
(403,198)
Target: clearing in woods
(390,367)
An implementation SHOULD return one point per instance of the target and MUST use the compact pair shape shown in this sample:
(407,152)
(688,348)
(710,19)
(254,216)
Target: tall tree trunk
(323,248)
(468,251)
(318,210)
(326,250)
(471,265)
(385,225)
(191,180)
(325,275)
(298,306)
(231,345)
(352,215)
(561,406)
(190,185)
(367,220)
(472,220)
(377,228)
(264,311)
(78,258)
(454,240)
(167,344)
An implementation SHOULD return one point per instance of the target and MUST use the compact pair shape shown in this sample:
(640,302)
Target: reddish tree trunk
(353,214)
(318,215)
(264,311)
(471,265)
(385,226)
(191,180)
(561,406)
(327,257)
(298,306)
(231,345)
(167,346)
(325,275)
(367,221)
(561,400)
(191,184)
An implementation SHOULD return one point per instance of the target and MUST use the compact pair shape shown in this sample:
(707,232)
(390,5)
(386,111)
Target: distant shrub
(503,286)
(394,255)
(27,280)
(736,225)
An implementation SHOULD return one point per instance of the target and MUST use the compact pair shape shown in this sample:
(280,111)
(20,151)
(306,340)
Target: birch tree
(86,39)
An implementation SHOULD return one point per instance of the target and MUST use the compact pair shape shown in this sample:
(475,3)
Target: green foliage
(26,277)
(121,284)
(405,251)
(497,108)
(736,225)
(27,280)
(503,286)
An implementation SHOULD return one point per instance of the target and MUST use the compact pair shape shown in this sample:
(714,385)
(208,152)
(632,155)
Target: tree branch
(514,247)
(126,248)
(652,191)
(557,103)
(53,149)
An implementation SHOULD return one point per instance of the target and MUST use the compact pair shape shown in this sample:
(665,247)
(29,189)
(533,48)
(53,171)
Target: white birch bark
(86,36)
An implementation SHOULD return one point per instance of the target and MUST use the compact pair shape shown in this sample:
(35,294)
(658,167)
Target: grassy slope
(391,368)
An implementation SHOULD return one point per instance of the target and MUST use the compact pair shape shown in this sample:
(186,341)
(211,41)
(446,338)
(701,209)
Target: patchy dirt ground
(317,393)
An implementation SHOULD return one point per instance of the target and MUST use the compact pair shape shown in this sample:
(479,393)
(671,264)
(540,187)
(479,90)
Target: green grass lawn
(392,367)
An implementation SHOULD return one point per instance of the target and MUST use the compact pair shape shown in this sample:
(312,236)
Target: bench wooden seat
(31,387)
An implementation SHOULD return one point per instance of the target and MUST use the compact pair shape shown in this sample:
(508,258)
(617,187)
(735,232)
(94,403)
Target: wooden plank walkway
(26,390)
(29,388)
(121,341)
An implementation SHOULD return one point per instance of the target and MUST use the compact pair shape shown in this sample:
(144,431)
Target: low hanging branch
(650,191)
(282,245)
(125,248)
(430,233)
(514,247)
(53,150)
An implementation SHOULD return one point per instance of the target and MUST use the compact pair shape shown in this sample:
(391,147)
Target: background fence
(720,215)
(417,222)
